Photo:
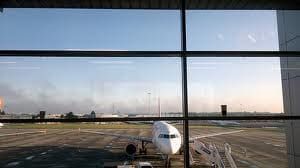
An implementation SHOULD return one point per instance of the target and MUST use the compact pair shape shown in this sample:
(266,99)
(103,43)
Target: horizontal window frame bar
(154,4)
(118,119)
(87,53)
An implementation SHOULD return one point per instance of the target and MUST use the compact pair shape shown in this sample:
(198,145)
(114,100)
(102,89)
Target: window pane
(220,30)
(247,143)
(86,88)
(89,29)
(64,145)
(108,86)
(246,85)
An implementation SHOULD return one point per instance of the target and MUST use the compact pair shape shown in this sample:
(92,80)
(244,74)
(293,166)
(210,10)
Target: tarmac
(66,148)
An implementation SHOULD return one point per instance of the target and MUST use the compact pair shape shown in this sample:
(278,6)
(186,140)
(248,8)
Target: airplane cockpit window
(173,136)
(166,136)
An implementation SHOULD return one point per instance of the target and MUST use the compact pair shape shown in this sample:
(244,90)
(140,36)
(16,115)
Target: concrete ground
(60,148)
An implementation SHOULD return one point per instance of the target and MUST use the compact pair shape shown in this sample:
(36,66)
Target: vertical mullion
(184,85)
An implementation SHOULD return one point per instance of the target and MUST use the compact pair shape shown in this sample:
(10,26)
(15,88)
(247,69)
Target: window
(83,29)
(251,143)
(116,98)
(248,86)
(109,87)
(167,136)
(232,30)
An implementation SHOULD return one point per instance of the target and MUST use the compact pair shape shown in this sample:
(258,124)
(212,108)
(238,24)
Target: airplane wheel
(167,162)
(180,151)
(143,151)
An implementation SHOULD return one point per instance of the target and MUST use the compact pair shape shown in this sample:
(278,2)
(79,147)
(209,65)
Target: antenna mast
(159,112)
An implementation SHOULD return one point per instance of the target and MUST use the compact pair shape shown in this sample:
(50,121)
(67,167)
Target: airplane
(165,137)
(1,125)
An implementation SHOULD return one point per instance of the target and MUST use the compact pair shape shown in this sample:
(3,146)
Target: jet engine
(131,148)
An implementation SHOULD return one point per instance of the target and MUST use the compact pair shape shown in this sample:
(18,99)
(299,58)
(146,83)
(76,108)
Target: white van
(144,165)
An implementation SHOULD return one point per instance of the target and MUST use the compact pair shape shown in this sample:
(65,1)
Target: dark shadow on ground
(57,156)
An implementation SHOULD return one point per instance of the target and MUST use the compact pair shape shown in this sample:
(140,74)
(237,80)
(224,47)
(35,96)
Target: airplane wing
(22,133)
(213,134)
(130,137)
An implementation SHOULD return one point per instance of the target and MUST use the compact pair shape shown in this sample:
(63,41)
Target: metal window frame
(85,53)
(155,4)
(183,54)
(119,119)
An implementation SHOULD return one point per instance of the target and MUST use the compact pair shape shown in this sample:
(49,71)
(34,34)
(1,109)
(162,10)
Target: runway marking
(247,163)
(22,133)
(29,157)
(276,145)
(12,164)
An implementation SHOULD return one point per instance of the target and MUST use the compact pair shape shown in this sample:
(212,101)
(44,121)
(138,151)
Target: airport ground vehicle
(143,165)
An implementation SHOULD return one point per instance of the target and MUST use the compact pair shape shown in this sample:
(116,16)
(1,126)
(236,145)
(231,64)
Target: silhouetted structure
(70,115)
(93,114)
(224,110)
(2,112)
(62,116)
(41,115)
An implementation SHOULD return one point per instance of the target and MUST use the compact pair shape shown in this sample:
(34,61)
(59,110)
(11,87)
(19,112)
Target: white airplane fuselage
(166,138)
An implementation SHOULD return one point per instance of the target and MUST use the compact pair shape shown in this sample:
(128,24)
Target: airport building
(289,40)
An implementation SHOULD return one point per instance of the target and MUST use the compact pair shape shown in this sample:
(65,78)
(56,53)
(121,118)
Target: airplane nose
(170,148)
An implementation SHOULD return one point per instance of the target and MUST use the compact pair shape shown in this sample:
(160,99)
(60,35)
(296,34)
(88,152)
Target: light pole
(113,108)
(241,107)
(149,97)
(159,111)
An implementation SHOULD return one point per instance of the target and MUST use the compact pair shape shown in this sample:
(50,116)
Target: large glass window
(247,143)
(82,145)
(84,29)
(232,30)
(123,88)
(118,86)
(246,85)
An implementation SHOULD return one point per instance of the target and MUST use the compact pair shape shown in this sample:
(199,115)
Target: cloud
(111,62)
(92,49)
(251,38)
(24,68)
(54,100)
(204,68)
(7,62)
(20,100)
(220,37)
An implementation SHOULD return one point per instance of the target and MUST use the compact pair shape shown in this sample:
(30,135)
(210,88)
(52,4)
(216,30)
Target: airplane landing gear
(167,162)
(181,150)
(143,150)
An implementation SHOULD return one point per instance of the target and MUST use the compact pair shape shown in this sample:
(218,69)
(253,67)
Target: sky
(132,85)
